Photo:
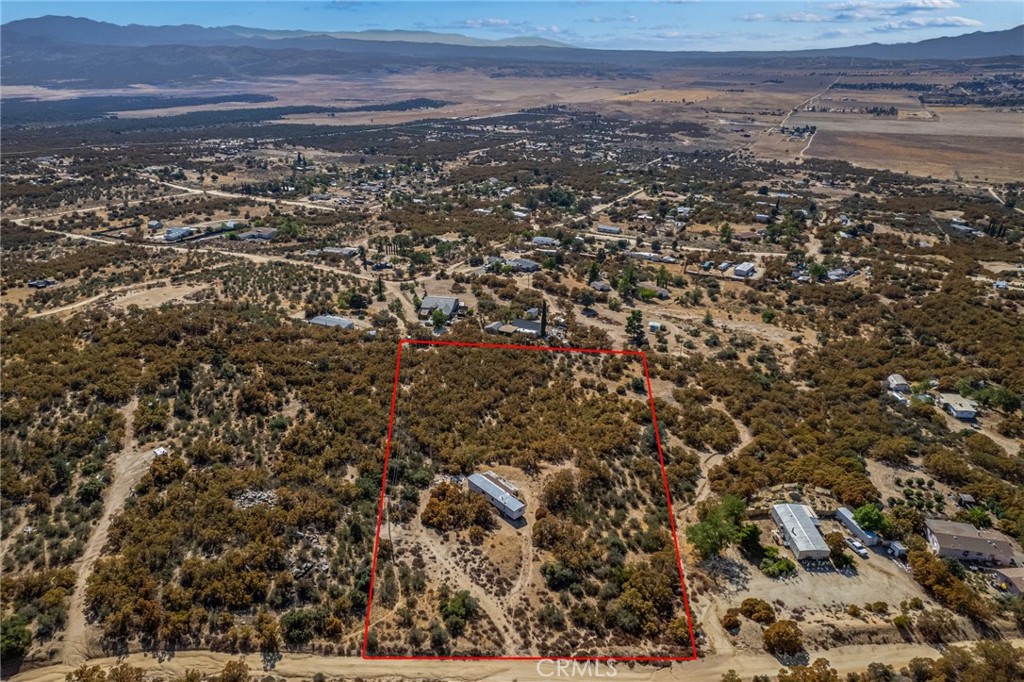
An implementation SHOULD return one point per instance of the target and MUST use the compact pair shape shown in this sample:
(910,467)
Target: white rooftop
(798,519)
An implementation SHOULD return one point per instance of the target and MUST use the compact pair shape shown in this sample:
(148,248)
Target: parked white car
(857,547)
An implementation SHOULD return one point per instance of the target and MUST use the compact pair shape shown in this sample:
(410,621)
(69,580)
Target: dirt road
(304,666)
(129,465)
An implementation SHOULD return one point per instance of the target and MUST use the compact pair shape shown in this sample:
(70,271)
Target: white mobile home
(845,517)
(500,493)
(799,525)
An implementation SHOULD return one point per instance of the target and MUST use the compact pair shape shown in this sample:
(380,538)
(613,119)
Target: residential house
(499,492)
(1010,579)
(745,269)
(958,406)
(965,542)
(265,233)
(176,234)
(600,286)
(608,229)
(332,321)
(799,526)
(520,326)
(523,265)
(449,305)
(544,241)
(898,383)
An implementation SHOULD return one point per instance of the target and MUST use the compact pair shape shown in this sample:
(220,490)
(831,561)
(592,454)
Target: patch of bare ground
(996,159)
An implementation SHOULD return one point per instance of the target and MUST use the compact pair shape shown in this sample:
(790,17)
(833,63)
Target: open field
(967,157)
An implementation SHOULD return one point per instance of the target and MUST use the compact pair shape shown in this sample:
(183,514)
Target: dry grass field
(967,157)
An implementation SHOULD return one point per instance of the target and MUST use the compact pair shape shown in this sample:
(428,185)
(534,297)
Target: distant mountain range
(89,32)
(61,51)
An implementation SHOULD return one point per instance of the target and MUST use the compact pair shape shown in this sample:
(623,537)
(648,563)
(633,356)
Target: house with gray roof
(449,305)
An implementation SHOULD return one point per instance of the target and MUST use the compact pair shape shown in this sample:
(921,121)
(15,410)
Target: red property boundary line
(383,489)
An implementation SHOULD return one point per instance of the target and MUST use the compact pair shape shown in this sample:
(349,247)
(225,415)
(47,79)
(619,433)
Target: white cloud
(926,22)
(481,23)
(801,17)
(753,17)
(858,10)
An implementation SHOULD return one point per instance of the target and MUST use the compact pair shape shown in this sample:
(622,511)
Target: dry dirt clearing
(995,159)
(304,666)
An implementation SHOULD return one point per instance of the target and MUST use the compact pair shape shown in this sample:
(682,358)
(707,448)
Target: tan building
(1012,579)
(965,542)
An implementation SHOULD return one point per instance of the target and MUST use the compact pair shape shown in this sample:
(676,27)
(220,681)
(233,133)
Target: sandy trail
(459,579)
(304,666)
(129,465)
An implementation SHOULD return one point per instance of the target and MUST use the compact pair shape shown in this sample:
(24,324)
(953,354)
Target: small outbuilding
(898,383)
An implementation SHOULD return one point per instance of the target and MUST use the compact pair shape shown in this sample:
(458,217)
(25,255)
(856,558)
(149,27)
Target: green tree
(635,328)
(870,517)
(15,638)
(438,318)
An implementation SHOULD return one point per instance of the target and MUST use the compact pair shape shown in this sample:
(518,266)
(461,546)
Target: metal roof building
(845,517)
(332,321)
(800,528)
(499,492)
(744,269)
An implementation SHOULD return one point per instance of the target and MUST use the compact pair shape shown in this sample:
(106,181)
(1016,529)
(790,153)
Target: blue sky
(656,25)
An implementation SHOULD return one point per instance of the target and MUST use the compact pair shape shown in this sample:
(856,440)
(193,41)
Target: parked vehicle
(857,547)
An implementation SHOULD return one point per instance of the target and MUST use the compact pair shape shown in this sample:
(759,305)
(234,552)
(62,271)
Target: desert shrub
(453,508)
(758,610)
(731,619)
(783,638)
(937,626)
(551,616)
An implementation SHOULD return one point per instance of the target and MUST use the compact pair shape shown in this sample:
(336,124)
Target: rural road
(129,465)
(304,666)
